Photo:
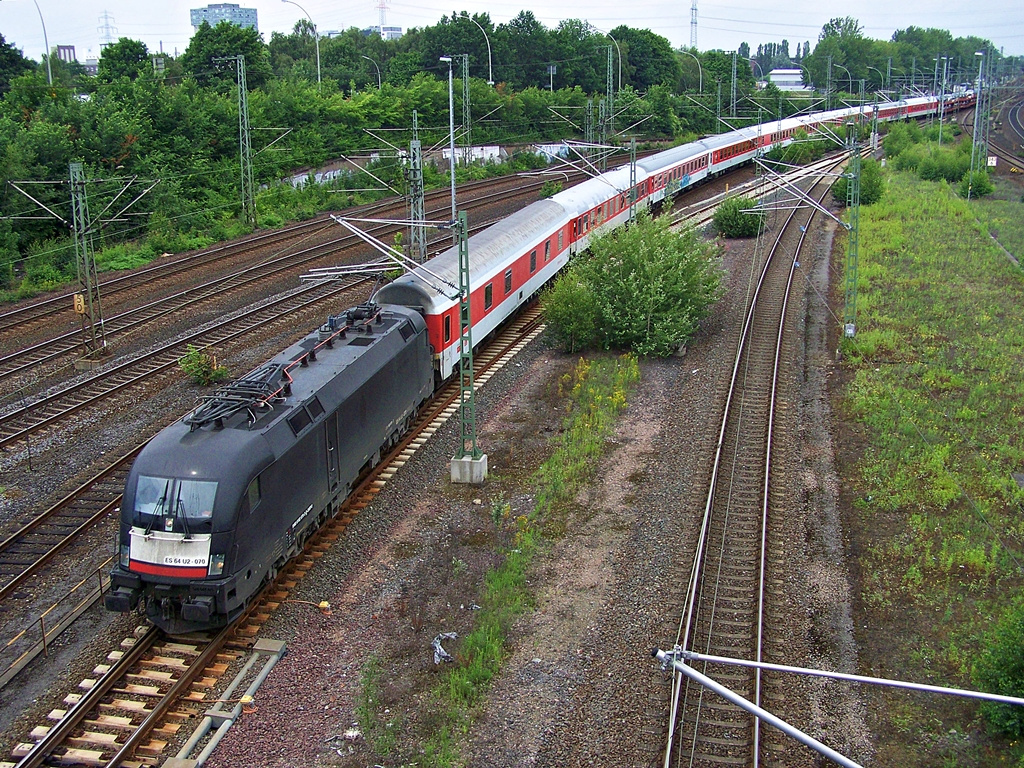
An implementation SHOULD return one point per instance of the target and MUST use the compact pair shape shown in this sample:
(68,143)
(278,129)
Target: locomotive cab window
(172,498)
(488,296)
(447,328)
(253,493)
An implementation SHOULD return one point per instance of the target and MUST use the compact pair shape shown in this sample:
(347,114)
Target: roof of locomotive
(248,439)
(309,366)
(436,282)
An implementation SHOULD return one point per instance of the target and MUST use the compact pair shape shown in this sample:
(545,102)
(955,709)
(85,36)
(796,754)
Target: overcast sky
(165,23)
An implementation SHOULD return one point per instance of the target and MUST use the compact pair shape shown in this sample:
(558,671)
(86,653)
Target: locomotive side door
(331,427)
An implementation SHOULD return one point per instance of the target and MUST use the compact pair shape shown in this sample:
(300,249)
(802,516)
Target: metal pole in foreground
(977,128)
(694,656)
(669,659)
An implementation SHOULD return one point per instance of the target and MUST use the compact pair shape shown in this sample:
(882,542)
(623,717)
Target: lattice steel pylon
(244,143)
(610,90)
(588,126)
(467,113)
(632,179)
(602,120)
(467,394)
(853,206)
(732,97)
(693,25)
(417,228)
(87,301)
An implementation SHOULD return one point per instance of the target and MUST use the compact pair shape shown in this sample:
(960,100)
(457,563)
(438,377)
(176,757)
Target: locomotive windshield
(171,498)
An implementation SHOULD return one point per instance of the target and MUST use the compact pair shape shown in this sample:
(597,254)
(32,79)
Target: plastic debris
(440,654)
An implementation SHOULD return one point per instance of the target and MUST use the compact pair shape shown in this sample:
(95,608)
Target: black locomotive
(216,503)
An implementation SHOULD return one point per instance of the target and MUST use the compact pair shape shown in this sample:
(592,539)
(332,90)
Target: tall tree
(201,59)
(12,64)
(581,62)
(523,51)
(649,58)
(125,58)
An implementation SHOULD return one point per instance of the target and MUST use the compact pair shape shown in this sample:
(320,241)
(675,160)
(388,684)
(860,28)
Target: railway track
(702,212)
(151,685)
(1015,119)
(27,550)
(113,283)
(18,424)
(27,359)
(725,602)
(1015,159)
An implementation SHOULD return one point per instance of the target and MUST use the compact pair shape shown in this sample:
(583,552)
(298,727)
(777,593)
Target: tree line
(149,116)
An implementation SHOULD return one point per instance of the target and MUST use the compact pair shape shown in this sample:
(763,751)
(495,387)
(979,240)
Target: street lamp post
(881,82)
(374,66)
(490,76)
(316,37)
(451,134)
(617,50)
(849,77)
(46,43)
(700,72)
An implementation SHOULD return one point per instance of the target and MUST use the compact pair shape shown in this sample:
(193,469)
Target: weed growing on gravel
(936,387)
(379,733)
(597,392)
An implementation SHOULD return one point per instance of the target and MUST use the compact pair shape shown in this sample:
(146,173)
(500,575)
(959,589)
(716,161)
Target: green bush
(201,367)
(900,138)
(644,288)
(978,184)
(910,158)
(735,218)
(571,310)
(1000,669)
(943,164)
(549,188)
(872,184)
(124,256)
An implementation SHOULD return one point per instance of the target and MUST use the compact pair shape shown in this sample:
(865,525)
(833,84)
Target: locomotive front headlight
(216,565)
(125,556)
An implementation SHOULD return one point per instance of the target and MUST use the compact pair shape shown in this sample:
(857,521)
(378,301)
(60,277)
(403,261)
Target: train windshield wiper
(179,511)
(157,514)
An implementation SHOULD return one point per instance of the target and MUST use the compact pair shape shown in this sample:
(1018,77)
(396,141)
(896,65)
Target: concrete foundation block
(467,470)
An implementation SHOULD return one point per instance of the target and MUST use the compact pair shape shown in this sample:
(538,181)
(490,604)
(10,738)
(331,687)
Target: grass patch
(378,730)
(1003,220)
(935,383)
(597,392)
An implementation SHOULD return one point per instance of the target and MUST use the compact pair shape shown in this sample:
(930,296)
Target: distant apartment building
(788,79)
(386,32)
(229,12)
(67,54)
